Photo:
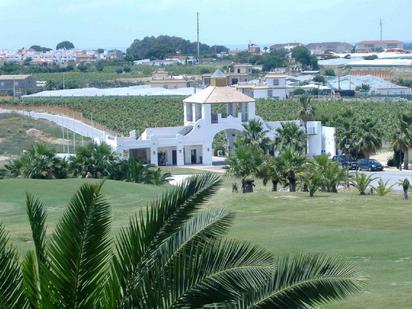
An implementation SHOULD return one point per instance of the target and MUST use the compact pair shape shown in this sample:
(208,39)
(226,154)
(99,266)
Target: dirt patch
(383,157)
(45,138)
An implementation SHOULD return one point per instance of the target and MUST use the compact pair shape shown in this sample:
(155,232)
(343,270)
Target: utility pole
(380,28)
(198,44)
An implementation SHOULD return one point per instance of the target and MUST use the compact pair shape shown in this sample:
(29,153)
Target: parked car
(369,165)
(346,161)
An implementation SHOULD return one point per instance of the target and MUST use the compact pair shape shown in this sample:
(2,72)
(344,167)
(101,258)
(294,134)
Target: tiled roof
(215,95)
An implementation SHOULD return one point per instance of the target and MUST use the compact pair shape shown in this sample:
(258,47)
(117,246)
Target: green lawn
(374,232)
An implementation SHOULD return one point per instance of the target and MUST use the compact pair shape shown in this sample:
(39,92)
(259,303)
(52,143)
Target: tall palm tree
(290,135)
(306,111)
(254,132)
(402,138)
(368,138)
(290,162)
(171,255)
(270,170)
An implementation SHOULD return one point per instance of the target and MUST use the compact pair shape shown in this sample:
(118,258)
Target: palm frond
(11,280)
(303,281)
(80,249)
(31,278)
(37,219)
(164,217)
(220,271)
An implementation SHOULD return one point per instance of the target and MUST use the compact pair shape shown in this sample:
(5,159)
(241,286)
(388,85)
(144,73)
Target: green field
(374,232)
(18,133)
(125,114)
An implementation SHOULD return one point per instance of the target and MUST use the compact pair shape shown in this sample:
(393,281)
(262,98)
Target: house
(240,73)
(274,86)
(377,46)
(17,85)
(323,47)
(253,49)
(217,108)
(286,46)
(162,79)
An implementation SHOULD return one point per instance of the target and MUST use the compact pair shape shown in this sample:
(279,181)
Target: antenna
(198,44)
(380,28)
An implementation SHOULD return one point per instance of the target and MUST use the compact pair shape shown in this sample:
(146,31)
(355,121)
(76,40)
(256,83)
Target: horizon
(106,24)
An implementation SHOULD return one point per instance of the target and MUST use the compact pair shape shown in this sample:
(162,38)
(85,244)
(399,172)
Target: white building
(191,143)
(274,86)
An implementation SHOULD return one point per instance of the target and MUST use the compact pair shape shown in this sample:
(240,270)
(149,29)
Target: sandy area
(45,138)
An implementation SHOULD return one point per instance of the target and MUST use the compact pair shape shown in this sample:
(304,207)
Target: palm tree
(402,138)
(290,162)
(171,255)
(311,177)
(254,132)
(332,173)
(307,111)
(368,138)
(270,170)
(93,159)
(362,182)
(39,162)
(244,162)
(289,134)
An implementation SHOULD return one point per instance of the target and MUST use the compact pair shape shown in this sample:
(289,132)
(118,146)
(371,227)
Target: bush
(299,91)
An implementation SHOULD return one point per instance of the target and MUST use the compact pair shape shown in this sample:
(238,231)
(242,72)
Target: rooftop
(14,77)
(215,95)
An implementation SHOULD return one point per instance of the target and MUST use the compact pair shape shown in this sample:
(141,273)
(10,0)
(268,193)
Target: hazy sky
(115,23)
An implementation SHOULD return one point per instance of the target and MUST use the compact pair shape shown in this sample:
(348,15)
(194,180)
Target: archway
(223,143)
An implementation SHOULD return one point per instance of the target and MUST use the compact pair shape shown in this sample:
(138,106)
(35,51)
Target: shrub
(362,182)
(382,188)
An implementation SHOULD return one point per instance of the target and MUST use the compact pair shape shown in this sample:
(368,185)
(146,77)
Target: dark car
(369,165)
(346,161)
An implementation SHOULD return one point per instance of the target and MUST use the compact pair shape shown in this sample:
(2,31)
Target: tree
(39,48)
(362,182)
(254,132)
(244,163)
(93,160)
(290,162)
(306,111)
(290,135)
(270,170)
(172,255)
(272,60)
(311,177)
(402,138)
(360,137)
(65,45)
(302,55)
(330,72)
(39,162)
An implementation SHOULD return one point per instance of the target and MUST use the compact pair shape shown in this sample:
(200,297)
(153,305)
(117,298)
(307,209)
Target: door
(193,156)
(174,157)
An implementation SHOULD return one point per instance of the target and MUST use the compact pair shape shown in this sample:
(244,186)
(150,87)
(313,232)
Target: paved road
(393,176)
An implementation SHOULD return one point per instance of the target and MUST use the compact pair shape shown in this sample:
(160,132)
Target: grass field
(374,232)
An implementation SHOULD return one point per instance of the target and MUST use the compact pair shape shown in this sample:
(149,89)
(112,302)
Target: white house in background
(191,143)
(273,86)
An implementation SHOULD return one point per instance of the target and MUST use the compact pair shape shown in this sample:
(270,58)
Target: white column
(153,155)
(251,110)
(206,113)
(180,156)
(207,154)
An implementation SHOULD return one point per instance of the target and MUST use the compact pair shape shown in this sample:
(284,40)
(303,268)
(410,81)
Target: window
(275,82)
(16,83)
(270,93)
(2,84)
(238,70)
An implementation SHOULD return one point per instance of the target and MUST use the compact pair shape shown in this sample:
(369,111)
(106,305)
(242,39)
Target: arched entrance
(223,143)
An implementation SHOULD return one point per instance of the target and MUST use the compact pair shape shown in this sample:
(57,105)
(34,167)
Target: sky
(234,23)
